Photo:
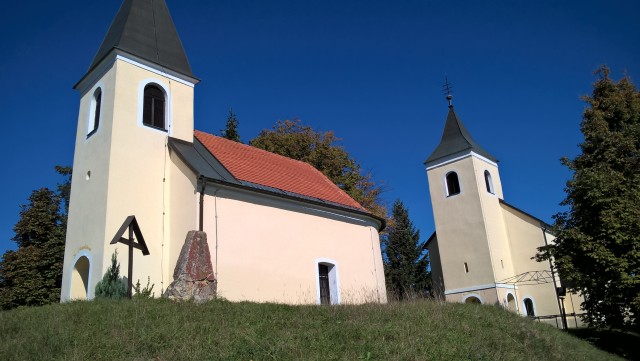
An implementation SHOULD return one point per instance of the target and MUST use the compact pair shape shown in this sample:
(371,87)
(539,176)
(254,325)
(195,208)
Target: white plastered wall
(266,249)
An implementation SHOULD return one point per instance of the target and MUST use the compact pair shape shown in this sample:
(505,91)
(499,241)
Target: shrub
(112,286)
(146,292)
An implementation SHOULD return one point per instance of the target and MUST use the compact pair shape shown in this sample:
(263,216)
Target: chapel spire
(144,29)
(455,137)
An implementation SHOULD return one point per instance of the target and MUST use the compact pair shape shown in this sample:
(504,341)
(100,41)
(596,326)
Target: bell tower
(471,248)
(137,93)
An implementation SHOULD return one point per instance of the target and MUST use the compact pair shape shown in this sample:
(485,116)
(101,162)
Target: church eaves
(455,139)
(144,29)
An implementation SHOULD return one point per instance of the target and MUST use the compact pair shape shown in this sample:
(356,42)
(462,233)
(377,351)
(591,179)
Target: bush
(112,286)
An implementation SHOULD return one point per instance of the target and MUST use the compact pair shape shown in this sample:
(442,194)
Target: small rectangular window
(466,268)
(325,293)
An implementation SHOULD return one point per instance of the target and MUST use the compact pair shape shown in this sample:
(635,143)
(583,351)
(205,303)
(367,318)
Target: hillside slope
(163,330)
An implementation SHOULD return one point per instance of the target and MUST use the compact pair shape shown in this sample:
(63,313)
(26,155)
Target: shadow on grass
(624,344)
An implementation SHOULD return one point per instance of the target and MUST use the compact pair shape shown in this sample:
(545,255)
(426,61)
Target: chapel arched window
(94,116)
(153,113)
(488,182)
(453,184)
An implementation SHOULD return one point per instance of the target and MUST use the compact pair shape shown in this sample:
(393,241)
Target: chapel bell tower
(137,93)
(471,251)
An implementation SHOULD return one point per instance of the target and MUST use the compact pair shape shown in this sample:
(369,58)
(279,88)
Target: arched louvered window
(453,184)
(94,115)
(488,182)
(153,114)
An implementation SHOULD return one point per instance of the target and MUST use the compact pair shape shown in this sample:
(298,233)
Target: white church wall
(91,164)
(266,249)
(130,174)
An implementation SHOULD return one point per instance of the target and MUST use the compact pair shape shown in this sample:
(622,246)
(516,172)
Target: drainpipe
(203,183)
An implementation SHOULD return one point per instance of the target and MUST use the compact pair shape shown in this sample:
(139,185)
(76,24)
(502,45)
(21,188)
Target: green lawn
(163,330)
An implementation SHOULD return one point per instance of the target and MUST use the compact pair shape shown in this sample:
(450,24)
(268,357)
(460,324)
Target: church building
(278,230)
(482,248)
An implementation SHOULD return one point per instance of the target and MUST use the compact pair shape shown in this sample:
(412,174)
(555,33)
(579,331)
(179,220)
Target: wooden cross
(134,228)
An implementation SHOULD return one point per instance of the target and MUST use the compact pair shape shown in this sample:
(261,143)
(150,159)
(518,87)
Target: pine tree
(111,285)
(597,249)
(231,132)
(406,260)
(32,274)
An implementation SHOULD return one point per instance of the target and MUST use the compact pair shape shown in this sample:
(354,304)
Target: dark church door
(325,297)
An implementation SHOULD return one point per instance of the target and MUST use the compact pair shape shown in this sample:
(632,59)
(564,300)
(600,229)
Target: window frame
(526,309)
(157,98)
(168,121)
(95,111)
(488,182)
(333,281)
(448,191)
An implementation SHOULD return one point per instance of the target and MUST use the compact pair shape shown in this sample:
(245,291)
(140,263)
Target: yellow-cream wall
(460,226)
(131,174)
(266,249)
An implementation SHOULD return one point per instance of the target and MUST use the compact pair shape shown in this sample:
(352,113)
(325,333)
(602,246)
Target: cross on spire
(447,89)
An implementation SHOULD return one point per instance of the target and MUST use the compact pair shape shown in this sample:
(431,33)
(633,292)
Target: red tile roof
(258,166)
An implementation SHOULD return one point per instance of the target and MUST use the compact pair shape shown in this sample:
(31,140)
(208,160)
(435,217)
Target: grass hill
(162,330)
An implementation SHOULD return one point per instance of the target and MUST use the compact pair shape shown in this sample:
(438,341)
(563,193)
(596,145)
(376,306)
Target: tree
(111,285)
(597,249)
(32,275)
(292,139)
(406,260)
(231,132)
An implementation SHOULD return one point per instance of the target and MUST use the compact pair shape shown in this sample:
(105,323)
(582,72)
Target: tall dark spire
(455,139)
(144,29)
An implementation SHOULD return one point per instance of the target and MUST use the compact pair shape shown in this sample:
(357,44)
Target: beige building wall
(125,167)
(266,249)
(462,234)
(496,241)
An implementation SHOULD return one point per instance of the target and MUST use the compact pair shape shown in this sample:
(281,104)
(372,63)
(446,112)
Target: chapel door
(325,295)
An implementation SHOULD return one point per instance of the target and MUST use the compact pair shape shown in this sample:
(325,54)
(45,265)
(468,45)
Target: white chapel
(278,230)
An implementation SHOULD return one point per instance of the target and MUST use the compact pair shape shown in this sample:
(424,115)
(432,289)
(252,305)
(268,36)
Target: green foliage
(597,249)
(111,285)
(158,329)
(32,274)
(146,292)
(405,264)
(231,132)
(292,139)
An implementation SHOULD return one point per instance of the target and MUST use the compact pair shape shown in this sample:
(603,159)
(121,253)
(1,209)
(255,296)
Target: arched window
(453,185)
(94,115)
(153,113)
(528,306)
(488,182)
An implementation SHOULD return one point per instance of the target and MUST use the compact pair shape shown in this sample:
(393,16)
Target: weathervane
(447,89)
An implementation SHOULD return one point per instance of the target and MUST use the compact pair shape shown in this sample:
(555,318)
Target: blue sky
(372,71)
